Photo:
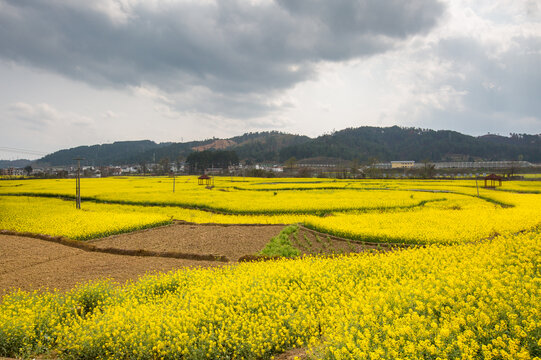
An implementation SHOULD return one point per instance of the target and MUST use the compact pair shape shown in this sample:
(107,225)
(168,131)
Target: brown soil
(218,144)
(232,241)
(29,263)
(311,242)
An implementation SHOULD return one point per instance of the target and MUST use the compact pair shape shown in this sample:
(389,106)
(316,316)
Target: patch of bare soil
(30,264)
(311,242)
(232,241)
(219,144)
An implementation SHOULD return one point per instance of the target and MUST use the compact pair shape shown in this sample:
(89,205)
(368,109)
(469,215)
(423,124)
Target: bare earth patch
(311,242)
(29,263)
(232,241)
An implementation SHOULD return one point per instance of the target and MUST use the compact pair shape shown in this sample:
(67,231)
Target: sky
(90,72)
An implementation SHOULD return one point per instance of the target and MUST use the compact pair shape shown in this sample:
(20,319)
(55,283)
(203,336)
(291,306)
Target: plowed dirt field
(29,263)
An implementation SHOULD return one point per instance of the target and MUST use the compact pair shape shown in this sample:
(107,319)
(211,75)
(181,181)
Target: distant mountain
(20,163)
(258,146)
(265,146)
(363,143)
(396,143)
(120,152)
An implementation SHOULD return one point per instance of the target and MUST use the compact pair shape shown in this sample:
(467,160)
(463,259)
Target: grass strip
(280,245)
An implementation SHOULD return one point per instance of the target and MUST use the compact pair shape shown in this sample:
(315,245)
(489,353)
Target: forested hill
(258,146)
(396,143)
(364,144)
(121,152)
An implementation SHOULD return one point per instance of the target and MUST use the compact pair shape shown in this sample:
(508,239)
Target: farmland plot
(470,292)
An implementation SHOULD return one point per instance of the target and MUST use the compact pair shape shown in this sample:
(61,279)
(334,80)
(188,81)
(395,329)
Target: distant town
(340,169)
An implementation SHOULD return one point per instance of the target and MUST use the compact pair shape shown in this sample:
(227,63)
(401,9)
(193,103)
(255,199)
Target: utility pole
(78,184)
(173,182)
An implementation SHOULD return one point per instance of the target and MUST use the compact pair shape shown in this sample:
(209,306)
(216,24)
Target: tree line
(198,161)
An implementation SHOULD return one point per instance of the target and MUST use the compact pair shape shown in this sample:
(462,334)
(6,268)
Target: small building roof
(204,177)
(493,177)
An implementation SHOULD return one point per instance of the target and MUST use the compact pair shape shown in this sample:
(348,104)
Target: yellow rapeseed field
(223,198)
(410,211)
(469,301)
(60,218)
(458,220)
(476,299)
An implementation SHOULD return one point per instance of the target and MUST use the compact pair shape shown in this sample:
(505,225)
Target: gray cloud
(497,88)
(239,52)
(498,82)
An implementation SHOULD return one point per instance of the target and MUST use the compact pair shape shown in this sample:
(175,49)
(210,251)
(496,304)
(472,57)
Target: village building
(408,164)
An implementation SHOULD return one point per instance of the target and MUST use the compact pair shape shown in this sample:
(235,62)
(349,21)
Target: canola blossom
(224,198)
(469,301)
(400,211)
(453,221)
(456,219)
(60,218)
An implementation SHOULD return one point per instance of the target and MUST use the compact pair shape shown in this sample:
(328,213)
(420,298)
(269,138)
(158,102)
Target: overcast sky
(85,72)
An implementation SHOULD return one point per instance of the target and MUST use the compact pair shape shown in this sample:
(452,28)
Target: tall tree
(165,166)
(28,170)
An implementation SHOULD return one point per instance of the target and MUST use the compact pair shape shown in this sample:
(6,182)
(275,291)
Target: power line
(22,151)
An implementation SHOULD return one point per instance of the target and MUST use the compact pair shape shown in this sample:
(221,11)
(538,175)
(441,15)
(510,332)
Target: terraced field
(463,284)
(420,212)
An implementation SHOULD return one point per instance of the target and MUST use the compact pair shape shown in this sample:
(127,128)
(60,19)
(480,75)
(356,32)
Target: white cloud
(109,114)
(42,127)
(42,117)
(469,74)
(167,111)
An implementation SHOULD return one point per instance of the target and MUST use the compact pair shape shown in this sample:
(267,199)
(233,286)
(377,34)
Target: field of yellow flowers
(60,218)
(457,219)
(399,211)
(57,217)
(224,197)
(479,298)
(467,301)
